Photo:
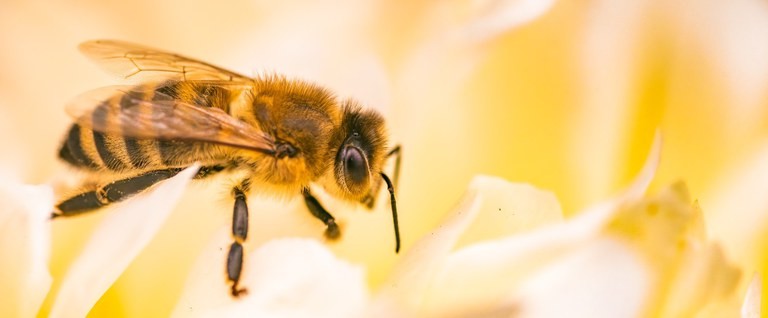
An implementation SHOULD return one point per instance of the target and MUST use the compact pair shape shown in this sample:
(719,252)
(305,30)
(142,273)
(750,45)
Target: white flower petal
(284,278)
(478,21)
(483,274)
(509,208)
(499,206)
(643,179)
(751,306)
(732,34)
(602,279)
(411,278)
(598,214)
(24,247)
(490,18)
(118,239)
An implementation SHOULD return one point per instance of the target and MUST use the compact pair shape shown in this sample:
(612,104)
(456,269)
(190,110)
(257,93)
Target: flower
(505,250)
(24,247)
(122,234)
(568,102)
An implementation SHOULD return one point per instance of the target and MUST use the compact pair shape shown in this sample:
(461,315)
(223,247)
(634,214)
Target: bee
(279,135)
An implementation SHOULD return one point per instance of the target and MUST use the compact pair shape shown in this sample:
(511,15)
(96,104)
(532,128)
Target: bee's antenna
(391,190)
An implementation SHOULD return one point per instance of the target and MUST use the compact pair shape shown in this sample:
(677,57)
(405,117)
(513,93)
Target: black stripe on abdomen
(135,153)
(167,149)
(110,160)
(72,150)
(133,147)
(170,150)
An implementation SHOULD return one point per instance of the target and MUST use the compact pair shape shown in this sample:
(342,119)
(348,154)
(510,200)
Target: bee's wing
(136,62)
(121,110)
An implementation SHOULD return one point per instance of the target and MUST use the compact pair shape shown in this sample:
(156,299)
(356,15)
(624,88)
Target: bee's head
(362,147)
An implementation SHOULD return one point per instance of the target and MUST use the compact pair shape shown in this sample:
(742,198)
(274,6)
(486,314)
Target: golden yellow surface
(550,103)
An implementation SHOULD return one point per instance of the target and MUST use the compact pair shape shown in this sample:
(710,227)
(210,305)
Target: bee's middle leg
(239,233)
(317,210)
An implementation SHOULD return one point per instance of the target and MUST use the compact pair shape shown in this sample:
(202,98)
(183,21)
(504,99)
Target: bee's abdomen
(93,150)
(96,151)
(137,155)
(74,152)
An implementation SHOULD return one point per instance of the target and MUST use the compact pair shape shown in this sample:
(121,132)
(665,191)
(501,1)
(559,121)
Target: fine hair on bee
(271,134)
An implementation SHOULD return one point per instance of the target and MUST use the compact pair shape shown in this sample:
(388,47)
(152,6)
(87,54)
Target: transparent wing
(139,63)
(122,110)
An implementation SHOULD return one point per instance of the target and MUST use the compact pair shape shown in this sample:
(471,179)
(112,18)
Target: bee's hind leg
(111,192)
(120,190)
(317,210)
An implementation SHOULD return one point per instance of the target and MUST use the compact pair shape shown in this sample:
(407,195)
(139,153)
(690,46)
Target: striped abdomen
(95,150)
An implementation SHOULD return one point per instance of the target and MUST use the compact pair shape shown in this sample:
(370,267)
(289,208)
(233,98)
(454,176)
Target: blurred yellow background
(568,102)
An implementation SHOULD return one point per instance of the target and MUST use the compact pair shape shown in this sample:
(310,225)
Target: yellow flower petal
(690,272)
(24,247)
(122,234)
(608,47)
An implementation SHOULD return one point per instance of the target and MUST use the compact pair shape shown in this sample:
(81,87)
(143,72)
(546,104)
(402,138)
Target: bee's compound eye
(355,166)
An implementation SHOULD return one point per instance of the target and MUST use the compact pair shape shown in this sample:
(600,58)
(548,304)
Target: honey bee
(280,135)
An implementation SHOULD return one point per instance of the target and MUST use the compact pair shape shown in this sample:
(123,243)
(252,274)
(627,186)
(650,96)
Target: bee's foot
(368,201)
(237,292)
(332,231)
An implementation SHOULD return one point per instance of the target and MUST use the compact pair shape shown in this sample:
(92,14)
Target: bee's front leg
(332,229)
(239,233)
